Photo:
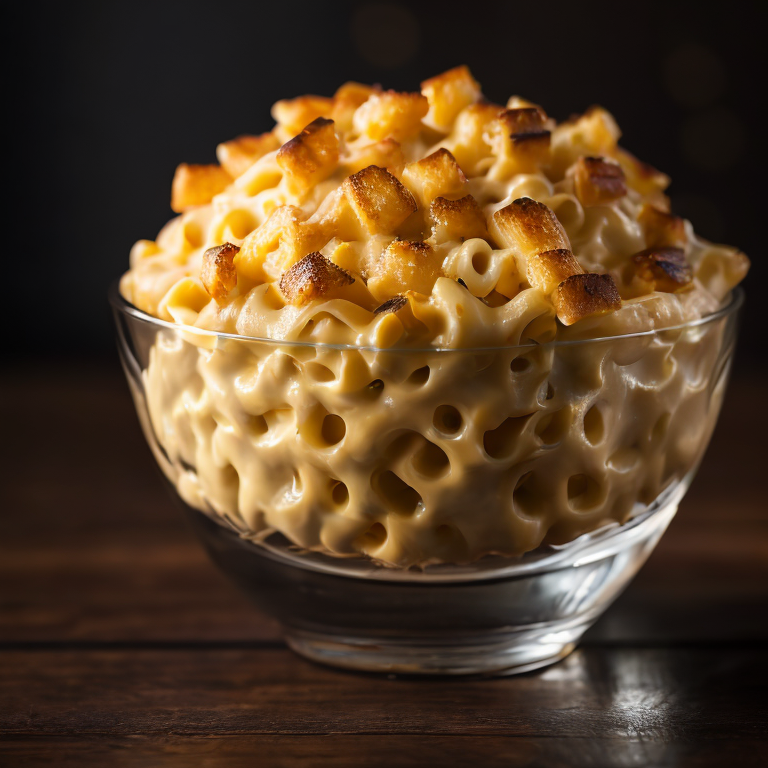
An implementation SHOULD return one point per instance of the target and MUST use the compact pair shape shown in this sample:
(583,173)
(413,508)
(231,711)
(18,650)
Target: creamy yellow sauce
(393,449)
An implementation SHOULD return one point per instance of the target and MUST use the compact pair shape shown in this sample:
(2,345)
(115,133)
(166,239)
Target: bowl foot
(491,655)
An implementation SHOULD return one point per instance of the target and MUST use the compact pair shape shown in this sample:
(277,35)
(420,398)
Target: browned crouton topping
(548,269)
(583,296)
(294,114)
(378,199)
(529,226)
(449,93)
(598,181)
(662,228)
(311,156)
(436,174)
(197,185)
(311,278)
(238,155)
(457,219)
(665,268)
(218,274)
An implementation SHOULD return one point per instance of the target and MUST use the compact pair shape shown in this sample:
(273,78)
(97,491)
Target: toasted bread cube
(530,227)
(391,115)
(520,136)
(385,154)
(597,131)
(346,100)
(378,199)
(436,174)
(664,269)
(448,94)
(594,133)
(522,120)
(457,219)
(585,295)
(598,181)
(548,269)
(293,114)
(311,156)
(238,155)
(404,265)
(311,278)
(466,140)
(286,229)
(218,274)
(662,228)
(641,177)
(518,102)
(197,185)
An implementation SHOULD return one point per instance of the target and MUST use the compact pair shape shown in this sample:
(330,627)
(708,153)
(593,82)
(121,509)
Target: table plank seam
(87,646)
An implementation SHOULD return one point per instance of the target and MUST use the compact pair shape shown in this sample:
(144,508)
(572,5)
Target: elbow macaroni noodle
(465,385)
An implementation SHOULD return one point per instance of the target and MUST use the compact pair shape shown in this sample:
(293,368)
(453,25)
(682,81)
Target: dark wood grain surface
(120,644)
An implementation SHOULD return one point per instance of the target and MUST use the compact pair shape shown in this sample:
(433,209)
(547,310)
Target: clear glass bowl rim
(122,305)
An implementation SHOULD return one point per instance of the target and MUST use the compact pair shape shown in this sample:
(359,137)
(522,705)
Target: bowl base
(509,654)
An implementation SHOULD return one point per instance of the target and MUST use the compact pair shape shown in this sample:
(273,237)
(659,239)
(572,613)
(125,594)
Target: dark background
(109,97)
(119,643)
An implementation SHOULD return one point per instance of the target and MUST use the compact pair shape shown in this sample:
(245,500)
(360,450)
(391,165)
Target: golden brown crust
(548,269)
(238,155)
(593,133)
(597,131)
(347,99)
(197,185)
(378,199)
(598,181)
(585,295)
(523,121)
(449,93)
(312,277)
(405,265)
(642,177)
(374,223)
(520,136)
(391,114)
(436,174)
(457,219)
(662,228)
(665,269)
(218,274)
(467,142)
(311,156)
(293,114)
(530,226)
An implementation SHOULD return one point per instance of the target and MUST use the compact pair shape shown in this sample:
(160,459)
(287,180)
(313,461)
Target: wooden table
(121,645)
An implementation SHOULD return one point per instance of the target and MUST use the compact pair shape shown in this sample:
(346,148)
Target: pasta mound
(396,226)
(407,191)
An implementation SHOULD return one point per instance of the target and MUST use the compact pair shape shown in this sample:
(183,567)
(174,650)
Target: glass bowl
(440,511)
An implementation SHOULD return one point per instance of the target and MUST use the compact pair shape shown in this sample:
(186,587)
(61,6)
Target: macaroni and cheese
(425,301)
